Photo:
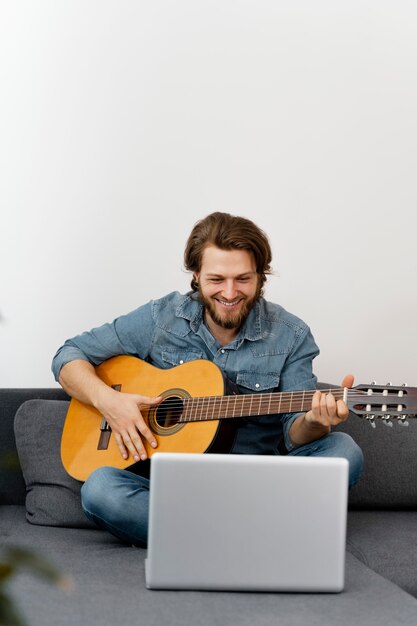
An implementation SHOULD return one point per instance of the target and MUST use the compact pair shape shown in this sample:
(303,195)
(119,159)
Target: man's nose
(229,291)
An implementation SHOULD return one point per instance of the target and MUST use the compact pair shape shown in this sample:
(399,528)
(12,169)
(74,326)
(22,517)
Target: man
(257,344)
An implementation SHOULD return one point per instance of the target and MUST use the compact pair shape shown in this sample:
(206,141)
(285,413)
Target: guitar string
(205,402)
(284,396)
(174,411)
(295,395)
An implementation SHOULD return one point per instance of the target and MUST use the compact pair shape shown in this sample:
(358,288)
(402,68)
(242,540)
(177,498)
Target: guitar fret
(225,406)
(214,406)
(183,417)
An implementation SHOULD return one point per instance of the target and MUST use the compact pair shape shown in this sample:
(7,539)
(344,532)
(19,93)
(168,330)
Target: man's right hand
(122,411)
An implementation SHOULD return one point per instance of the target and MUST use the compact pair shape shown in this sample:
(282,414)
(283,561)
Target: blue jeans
(118,500)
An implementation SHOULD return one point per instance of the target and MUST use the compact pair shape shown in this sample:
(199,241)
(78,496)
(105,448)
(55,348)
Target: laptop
(247,523)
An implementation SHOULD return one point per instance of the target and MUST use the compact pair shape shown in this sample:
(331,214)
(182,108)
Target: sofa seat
(386,541)
(109,587)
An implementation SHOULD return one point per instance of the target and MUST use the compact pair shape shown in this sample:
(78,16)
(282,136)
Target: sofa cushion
(386,541)
(12,485)
(390,464)
(53,497)
(109,588)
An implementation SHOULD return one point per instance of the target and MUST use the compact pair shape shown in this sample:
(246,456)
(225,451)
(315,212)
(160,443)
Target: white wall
(122,123)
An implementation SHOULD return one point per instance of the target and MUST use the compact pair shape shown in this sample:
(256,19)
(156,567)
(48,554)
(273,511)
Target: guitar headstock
(386,402)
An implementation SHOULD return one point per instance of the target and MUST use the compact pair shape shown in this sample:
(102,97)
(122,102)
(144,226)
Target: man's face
(228,285)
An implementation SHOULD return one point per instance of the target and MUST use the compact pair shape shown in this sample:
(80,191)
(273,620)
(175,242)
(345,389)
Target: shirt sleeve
(129,334)
(297,375)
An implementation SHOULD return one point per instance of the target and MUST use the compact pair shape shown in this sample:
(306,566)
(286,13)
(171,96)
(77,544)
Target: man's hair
(227,232)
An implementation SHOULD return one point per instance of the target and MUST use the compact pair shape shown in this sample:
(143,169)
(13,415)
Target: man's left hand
(326,411)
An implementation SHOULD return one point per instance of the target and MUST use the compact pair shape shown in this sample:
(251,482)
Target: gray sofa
(108,577)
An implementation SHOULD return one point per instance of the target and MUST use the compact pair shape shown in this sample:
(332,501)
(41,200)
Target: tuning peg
(388,384)
(373,382)
(370,419)
(402,420)
(386,420)
(404,385)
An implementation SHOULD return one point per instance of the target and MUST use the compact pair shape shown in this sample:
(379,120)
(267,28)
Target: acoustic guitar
(199,411)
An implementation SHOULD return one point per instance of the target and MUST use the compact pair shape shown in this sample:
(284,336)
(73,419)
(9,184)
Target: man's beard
(230,320)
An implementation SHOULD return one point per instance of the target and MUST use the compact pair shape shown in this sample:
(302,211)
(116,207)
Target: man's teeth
(228,303)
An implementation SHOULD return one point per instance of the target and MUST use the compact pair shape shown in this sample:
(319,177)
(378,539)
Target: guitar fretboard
(234,406)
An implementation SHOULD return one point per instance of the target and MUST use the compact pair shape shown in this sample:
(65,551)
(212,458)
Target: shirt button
(181,362)
(257,385)
(222,351)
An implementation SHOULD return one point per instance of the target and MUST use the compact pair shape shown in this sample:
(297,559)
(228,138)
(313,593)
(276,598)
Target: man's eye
(215,280)
(244,280)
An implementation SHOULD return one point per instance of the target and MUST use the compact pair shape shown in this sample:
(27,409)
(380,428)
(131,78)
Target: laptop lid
(246,522)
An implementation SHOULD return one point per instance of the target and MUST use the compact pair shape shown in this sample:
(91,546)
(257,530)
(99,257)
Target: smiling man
(258,345)
(228,288)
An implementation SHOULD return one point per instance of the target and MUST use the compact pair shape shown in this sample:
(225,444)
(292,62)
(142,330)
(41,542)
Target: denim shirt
(273,351)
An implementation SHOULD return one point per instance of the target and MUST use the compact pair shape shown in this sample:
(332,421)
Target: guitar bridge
(105,429)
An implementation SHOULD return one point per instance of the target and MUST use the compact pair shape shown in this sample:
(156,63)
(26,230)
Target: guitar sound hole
(169,412)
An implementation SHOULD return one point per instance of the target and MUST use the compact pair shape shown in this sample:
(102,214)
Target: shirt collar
(192,309)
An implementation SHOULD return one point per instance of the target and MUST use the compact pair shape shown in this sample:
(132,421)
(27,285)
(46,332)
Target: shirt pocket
(176,356)
(250,382)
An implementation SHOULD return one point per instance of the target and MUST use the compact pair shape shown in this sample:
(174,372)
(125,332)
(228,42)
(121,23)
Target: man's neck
(223,335)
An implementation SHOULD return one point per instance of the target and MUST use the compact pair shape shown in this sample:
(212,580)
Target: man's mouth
(227,304)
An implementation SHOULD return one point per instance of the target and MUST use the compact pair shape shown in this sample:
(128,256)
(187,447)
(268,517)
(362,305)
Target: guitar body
(87,444)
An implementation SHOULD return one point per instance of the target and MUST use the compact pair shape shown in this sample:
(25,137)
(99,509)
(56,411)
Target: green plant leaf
(26,559)
(9,615)
(10,461)
(15,559)
(6,570)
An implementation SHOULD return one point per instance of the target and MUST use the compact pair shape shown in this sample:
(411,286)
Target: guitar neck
(249,405)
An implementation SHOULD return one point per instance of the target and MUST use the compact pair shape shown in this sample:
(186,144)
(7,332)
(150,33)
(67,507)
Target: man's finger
(139,451)
(342,410)
(146,400)
(324,414)
(121,446)
(331,405)
(348,381)
(315,404)
(147,433)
